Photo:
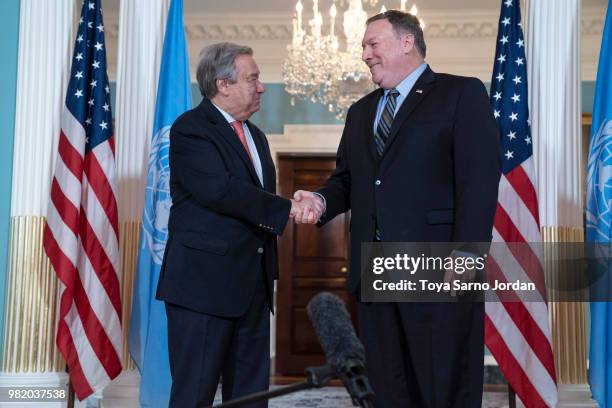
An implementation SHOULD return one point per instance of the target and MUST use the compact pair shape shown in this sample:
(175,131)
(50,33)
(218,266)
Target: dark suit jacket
(438,177)
(223,222)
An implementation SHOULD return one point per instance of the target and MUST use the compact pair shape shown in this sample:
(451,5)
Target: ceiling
(244,7)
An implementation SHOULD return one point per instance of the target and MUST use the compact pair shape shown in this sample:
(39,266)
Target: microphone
(343,350)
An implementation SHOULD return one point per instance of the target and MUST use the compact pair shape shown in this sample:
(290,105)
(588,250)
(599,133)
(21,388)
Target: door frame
(318,140)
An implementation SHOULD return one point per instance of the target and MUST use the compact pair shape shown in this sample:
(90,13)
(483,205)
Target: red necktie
(240,132)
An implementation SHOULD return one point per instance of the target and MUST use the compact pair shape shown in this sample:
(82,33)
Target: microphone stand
(352,374)
(317,377)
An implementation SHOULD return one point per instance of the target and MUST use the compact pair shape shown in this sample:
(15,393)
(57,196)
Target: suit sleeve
(197,165)
(477,165)
(337,189)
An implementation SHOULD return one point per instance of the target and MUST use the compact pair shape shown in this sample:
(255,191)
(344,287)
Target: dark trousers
(203,347)
(424,355)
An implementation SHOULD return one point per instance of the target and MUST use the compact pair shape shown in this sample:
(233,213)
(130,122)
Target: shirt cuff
(322,198)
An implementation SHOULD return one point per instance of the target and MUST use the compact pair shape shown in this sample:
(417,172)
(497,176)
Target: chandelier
(317,68)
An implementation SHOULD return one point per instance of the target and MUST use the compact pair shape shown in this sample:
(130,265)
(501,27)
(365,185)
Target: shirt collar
(226,115)
(407,83)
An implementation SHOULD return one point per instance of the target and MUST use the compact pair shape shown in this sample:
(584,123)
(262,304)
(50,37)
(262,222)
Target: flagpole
(70,402)
(511,397)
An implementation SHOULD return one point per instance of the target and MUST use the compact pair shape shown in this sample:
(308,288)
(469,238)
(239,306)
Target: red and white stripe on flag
(518,333)
(81,240)
(81,236)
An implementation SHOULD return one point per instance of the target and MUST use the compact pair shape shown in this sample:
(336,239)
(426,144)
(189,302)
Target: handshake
(306,207)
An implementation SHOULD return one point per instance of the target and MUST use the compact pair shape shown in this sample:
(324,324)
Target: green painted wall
(9,44)
(588,96)
(276,109)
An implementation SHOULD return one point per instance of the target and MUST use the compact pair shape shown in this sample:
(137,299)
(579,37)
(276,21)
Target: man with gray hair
(221,256)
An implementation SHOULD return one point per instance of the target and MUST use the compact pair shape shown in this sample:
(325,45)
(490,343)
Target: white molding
(217,32)
(592,30)
(122,392)
(592,21)
(575,396)
(49,379)
(307,139)
(450,23)
(41,380)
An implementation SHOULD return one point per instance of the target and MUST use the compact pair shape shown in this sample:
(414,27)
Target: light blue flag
(599,221)
(148,336)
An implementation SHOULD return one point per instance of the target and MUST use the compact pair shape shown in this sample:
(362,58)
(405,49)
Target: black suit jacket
(223,223)
(438,177)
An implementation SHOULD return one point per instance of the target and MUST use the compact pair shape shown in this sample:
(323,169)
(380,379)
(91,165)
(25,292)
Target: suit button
(260,250)
(377,182)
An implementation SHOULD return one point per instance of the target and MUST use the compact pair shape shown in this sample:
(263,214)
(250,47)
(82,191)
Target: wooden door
(312,260)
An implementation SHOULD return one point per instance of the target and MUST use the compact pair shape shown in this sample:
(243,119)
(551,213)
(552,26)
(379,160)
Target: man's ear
(222,86)
(408,43)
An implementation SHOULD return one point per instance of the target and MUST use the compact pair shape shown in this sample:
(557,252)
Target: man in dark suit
(418,162)
(221,257)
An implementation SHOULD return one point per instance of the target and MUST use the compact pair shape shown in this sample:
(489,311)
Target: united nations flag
(599,221)
(148,333)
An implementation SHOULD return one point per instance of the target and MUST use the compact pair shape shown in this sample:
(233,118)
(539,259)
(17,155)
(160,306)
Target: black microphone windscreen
(333,326)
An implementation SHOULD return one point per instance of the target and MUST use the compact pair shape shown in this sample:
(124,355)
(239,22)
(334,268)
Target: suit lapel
(262,152)
(370,117)
(420,89)
(228,133)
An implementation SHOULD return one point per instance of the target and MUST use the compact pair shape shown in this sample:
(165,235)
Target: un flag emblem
(157,201)
(599,185)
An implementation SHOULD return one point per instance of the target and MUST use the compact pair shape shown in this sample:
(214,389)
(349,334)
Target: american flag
(517,332)
(81,234)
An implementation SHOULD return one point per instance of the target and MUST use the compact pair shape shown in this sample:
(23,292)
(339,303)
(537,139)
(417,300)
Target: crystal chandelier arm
(324,68)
